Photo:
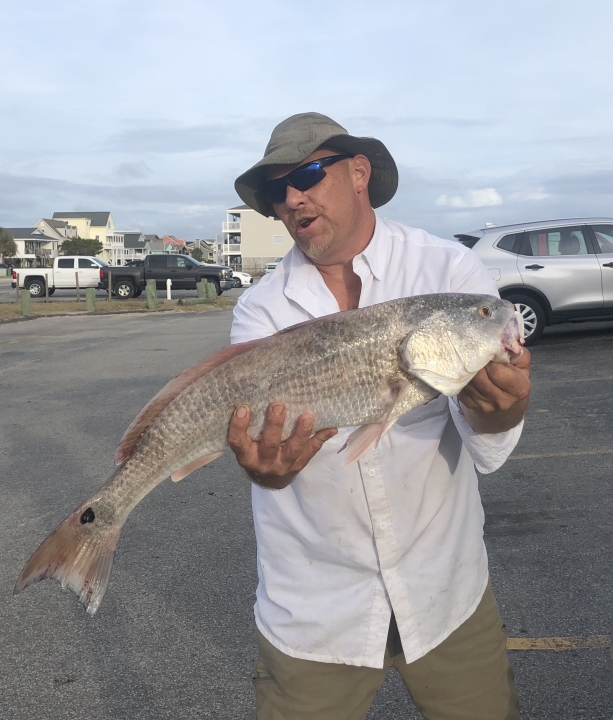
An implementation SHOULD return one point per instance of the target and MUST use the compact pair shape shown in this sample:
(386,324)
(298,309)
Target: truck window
(65,263)
(179,261)
(85,263)
(157,261)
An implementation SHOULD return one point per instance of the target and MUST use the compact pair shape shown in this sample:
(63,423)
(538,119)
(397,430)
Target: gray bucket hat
(294,139)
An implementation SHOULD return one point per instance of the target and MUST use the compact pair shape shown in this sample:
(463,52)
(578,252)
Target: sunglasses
(302,178)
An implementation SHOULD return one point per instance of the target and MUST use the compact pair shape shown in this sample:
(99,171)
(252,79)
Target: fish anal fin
(367,437)
(194,465)
(146,417)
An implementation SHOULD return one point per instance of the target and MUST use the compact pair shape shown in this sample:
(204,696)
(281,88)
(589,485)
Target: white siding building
(250,240)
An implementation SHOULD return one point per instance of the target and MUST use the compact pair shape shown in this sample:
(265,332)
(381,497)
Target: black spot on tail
(88,516)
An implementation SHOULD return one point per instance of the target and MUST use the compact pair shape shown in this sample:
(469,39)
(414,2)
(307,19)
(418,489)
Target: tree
(198,255)
(80,246)
(8,248)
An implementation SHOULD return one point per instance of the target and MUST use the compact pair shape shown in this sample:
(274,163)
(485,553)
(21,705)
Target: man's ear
(361,172)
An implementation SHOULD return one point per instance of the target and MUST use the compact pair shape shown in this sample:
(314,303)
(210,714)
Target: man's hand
(496,399)
(269,462)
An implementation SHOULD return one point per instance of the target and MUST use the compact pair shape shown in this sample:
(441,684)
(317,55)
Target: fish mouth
(512,340)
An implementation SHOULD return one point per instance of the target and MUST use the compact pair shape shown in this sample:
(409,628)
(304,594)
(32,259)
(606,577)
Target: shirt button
(371,472)
(383,525)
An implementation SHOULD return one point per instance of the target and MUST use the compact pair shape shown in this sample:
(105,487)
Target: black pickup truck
(130,280)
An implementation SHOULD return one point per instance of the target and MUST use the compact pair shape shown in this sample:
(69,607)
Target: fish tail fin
(79,553)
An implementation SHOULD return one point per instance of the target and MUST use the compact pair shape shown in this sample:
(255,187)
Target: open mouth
(305,222)
(513,338)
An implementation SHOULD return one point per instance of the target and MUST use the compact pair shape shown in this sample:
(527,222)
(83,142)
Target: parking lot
(174,636)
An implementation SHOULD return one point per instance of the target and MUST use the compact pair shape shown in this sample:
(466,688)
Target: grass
(10,311)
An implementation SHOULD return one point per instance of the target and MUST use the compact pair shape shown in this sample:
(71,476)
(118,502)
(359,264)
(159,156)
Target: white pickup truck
(63,275)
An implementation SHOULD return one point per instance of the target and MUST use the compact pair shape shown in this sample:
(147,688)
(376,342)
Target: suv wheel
(218,289)
(124,289)
(533,315)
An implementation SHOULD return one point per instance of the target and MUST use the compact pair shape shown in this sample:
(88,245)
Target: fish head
(449,347)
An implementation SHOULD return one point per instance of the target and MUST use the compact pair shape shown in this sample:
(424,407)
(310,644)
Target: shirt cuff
(488,451)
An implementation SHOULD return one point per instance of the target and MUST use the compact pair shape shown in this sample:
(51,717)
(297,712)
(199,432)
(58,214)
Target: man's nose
(294,198)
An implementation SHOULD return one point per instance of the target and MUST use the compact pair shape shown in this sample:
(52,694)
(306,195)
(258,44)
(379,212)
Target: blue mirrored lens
(301,178)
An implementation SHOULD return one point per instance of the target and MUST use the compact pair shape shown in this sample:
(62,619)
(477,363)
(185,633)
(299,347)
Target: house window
(277,239)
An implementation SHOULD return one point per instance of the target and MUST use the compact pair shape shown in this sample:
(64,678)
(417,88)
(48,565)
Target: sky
(495,112)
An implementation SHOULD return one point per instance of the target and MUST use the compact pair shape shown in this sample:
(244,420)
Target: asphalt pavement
(174,636)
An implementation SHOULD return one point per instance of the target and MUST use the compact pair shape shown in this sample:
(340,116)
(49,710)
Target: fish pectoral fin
(194,465)
(445,385)
(367,437)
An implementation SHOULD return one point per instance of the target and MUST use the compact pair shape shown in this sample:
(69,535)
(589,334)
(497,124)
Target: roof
(98,219)
(55,223)
(239,207)
(133,240)
(539,223)
(152,237)
(29,234)
(174,241)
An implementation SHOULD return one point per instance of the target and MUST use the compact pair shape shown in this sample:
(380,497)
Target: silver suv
(554,271)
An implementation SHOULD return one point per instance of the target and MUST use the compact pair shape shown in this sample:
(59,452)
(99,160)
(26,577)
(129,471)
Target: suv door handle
(608,264)
(534,267)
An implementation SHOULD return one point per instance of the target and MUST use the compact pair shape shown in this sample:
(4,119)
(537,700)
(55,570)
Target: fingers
(272,433)
(497,387)
(240,443)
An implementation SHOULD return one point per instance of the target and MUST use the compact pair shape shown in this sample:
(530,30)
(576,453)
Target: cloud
(243,134)
(371,121)
(528,195)
(482,197)
(132,170)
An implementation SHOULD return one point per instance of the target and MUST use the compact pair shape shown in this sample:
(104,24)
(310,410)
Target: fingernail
(307,423)
(241,412)
(277,409)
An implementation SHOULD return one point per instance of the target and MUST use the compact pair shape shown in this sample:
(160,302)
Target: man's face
(322,218)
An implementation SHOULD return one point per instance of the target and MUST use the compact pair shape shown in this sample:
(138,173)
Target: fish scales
(362,368)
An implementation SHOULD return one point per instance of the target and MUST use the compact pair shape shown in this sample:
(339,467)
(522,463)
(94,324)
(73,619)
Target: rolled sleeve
(488,451)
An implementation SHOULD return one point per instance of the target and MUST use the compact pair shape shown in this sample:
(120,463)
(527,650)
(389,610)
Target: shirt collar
(305,286)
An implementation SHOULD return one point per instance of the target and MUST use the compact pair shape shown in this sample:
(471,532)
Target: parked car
(269,267)
(554,271)
(242,279)
(62,275)
(130,281)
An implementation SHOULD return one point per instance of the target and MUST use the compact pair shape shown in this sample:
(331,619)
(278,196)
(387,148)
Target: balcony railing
(228,249)
(231,226)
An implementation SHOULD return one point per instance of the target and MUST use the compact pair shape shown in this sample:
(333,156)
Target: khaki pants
(467,677)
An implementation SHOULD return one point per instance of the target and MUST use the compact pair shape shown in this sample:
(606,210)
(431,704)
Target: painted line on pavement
(573,381)
(535,456)
(560,644)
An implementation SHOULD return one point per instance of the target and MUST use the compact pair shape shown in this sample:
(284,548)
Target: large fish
(364,367)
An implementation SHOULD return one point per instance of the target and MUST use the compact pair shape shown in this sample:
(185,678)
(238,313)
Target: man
(381,563)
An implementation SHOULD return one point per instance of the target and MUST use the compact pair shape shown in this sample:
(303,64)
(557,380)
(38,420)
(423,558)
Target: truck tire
(124,289)
(533,315)
(218,289)
(36,287)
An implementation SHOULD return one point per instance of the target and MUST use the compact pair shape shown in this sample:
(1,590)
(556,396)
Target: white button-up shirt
(402,529)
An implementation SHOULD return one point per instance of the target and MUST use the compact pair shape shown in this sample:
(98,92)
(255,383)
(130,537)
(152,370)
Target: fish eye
(485,311)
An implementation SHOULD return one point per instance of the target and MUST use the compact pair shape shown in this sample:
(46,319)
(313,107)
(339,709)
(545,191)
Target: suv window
(512,243)
(604,237)
(65,263)
(84,263)
(555,242)
(157,261)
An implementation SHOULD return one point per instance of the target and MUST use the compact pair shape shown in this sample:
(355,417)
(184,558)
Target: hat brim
(381,187)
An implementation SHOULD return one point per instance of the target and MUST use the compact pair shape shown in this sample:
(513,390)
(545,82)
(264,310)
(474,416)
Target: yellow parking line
(561,454)
(559,644)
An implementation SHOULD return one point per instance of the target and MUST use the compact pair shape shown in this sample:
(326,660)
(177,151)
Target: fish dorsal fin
(169,392)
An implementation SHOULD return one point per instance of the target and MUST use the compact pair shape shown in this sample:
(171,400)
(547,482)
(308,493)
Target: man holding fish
(370,537)
(378,563)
